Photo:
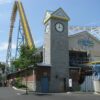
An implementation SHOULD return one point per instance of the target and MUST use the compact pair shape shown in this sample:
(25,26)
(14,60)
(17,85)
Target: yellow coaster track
(26,30)
(28,37)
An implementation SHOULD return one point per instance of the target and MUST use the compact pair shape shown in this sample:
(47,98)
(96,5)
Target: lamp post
(26,82)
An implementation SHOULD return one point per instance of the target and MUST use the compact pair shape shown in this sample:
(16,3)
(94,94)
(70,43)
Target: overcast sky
(81,12)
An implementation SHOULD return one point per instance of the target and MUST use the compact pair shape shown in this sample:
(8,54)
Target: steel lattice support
(20,40)
(8,57)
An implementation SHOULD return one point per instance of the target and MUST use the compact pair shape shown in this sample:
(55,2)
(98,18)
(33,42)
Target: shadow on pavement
(43,94)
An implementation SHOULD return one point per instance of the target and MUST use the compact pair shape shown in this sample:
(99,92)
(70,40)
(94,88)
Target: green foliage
(27,57)
(26,52)
(2,65)
(18,83)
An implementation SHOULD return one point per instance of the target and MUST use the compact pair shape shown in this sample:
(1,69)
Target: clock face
(47,28)
(59,27)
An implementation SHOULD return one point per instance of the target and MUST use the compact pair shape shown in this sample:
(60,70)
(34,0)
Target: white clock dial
(59,27)
(47,28)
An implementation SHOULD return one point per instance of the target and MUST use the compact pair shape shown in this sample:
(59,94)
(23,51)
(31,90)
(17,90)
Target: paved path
(10,94)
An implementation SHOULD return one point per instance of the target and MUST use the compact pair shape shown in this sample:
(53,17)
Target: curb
(67,93)
(95,93)
(18,89)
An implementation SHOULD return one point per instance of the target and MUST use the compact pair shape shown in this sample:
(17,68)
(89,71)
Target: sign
(86,42)
(70,82)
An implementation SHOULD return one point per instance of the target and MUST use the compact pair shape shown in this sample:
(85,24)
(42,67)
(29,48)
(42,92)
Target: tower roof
(59,14)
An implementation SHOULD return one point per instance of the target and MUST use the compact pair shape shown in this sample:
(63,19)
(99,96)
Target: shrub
(19,85)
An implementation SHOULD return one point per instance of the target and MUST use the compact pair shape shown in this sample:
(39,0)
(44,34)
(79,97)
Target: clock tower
(55,49)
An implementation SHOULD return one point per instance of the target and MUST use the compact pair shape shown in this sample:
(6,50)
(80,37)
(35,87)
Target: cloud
(38,43)
(6,1)
(4,46)
(95,23)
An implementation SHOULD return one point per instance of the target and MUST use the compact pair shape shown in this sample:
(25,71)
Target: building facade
(87,48)
(86,42)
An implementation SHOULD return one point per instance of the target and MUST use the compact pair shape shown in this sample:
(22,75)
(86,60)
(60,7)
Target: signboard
(70,82)
(86,42)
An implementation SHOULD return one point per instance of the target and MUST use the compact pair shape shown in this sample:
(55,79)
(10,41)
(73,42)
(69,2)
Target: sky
(81,12)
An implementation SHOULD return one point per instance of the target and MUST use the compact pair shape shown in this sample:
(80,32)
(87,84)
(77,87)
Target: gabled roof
(59,13)
(86,33)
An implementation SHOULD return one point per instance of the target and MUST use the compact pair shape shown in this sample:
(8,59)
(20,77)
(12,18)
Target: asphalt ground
(8,93)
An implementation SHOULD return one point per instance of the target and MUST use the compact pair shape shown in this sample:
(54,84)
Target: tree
(2,66)
(26,58)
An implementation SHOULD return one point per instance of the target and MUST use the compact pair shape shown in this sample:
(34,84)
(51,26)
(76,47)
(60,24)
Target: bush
(19,85)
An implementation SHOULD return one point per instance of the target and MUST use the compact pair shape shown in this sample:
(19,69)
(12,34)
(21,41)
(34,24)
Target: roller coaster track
(95,30)
(26,30)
